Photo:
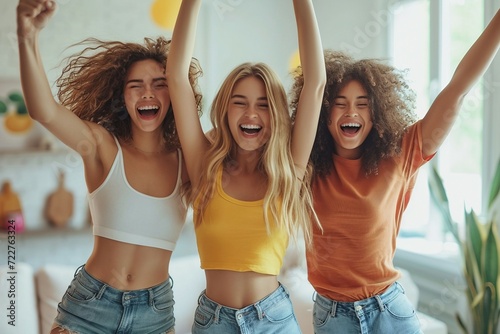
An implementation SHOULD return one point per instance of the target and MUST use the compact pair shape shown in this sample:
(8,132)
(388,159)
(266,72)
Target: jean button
(358,307)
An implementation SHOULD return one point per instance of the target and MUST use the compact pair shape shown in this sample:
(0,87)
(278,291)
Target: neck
(148,144)
(349,154)
(245,161)
(148,151)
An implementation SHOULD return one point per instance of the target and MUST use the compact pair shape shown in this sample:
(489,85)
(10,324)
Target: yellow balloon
(294,61)
(164,12)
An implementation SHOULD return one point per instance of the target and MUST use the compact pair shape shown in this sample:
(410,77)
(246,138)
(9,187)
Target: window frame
(490,82)
(438,274)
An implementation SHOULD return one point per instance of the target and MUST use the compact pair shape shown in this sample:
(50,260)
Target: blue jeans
(91,306)
(271,315)
(387,313)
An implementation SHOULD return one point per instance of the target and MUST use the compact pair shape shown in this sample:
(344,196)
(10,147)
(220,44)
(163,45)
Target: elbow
(39,117)
(322,79)
(174,79)
(42,119)
(322,84)
(317,82)
(316,87)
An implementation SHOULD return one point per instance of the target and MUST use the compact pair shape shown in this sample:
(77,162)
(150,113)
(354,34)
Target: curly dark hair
(391,101)
(92,83)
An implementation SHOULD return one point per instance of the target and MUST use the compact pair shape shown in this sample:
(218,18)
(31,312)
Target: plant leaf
(490,256)
(495,186)
(473,237)
(440,199)
(16,97)
(21,109)
(461,323)
(3,107)
(490,305)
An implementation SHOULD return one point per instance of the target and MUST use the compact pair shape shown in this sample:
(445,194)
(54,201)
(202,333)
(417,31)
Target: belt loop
(334,308)
(78,270)
(380,303)
(200,296)
(101,291)
(314,295)
(260,313)
(151,297)
(217,313)
(284,289)
(399,287)
(171,281)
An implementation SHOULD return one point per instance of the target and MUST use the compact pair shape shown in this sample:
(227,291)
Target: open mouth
(250,129)
(148,111)
(350,128)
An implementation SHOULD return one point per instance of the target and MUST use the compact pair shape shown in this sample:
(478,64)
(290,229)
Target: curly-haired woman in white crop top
(115,111)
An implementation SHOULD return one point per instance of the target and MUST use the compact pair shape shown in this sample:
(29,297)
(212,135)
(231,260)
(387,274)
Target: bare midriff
(126,266)
(238,289)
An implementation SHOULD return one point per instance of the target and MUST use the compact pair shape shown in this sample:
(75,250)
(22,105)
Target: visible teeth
(148,107)
(251,126)
(352,125)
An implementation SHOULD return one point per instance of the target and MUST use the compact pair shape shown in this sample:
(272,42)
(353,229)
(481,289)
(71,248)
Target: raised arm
(193,140)
(313,69)
(32,16)
(442,114)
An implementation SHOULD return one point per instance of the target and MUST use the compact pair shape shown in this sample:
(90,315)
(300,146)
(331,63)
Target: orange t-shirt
(361,216)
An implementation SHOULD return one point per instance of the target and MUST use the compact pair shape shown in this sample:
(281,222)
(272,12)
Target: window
(429,38)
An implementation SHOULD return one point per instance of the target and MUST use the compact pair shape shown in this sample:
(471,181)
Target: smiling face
(350,120)
(248,114)
(146,95)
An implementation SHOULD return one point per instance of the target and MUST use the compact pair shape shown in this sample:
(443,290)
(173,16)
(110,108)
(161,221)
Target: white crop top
(121,213)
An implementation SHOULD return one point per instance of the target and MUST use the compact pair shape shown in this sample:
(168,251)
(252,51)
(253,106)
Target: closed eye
(239,103)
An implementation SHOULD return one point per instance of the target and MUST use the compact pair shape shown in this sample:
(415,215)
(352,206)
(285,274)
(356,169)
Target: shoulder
(103,141)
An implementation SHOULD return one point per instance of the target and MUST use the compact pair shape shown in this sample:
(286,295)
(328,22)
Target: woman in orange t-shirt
(367,153)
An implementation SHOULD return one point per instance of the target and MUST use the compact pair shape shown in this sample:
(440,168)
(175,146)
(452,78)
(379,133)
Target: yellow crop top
(233,236)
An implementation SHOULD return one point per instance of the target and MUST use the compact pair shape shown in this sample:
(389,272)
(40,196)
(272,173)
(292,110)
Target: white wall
(229,32)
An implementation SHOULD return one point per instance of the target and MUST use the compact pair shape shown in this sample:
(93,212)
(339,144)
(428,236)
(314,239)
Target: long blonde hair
(288,198)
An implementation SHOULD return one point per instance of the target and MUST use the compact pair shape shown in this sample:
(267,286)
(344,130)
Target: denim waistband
(120,296)
(369,304)
(258,308)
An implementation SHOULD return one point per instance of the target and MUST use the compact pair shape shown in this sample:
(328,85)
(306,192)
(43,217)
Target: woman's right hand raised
(32,16)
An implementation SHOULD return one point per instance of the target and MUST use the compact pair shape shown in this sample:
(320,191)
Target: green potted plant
(479,250)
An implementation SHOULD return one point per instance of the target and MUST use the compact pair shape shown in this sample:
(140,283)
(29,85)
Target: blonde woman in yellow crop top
(247,183)
(366,158)
(115,112)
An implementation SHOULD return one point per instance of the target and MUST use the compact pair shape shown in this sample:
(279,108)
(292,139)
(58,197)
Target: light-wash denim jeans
(271,315)
(388,313)
(91,306)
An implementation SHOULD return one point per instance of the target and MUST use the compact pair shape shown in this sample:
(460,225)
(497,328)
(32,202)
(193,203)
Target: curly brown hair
(92,83)
(391,101)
